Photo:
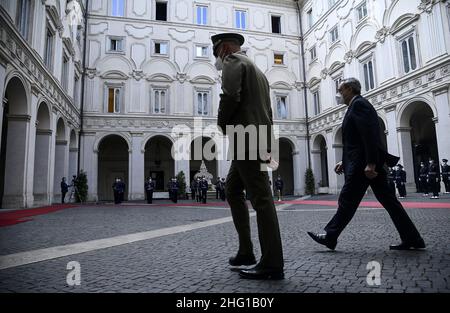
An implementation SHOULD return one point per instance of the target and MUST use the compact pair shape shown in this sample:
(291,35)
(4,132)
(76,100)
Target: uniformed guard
(199,190)
(64,189)
(116,190)
(174,187)
(445,172)
(423,174)
(222,189)
(434,179)
(149,188)
(279,186)
(121,190)
(204,187)
(245,101)
(193,188)
(391,179)
(400,181)
(217,185)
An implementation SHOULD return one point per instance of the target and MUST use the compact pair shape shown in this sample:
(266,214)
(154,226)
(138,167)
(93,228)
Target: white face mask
(219,64)
(339,99)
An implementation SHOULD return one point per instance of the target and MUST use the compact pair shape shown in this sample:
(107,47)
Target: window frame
(313,48)
(196,7)
(121,89)
(154,90)
(357,8)
(245,11)
(283,54)
(155,10)
(309,18)
(405,38)
(317,108)
(65,71)
(279,16)
(207,91)
(49,50)
(286,103)
(363,63)
(202,57)
(26,21)
(117,38)
(334,28)
(112,8)
(158,41)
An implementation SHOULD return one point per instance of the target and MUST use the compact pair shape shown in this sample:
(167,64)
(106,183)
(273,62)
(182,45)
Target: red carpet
(20,216)
(374,204)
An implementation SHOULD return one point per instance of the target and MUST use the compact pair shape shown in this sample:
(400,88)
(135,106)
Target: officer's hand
(339,169)
(370,172)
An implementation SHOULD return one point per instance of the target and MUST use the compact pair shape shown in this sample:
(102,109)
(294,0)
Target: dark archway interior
(324,164)
(197,154)
(112,162)
(159,163)
(286,167)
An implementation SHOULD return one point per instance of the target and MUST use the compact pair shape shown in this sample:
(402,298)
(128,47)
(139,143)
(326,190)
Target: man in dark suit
(64,189)
(362,165)
(245,102)
(423,174)
(434,179)
(445,172)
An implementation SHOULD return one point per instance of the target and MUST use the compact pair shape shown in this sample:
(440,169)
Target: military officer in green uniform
(245,101)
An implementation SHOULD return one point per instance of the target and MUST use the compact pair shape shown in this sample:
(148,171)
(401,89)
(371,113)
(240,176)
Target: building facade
(40,83)
(399,50)
(150,87)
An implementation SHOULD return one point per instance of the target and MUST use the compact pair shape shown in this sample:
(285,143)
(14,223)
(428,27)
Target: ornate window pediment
(114,75)
(203,80)
(54,12)
(160,78)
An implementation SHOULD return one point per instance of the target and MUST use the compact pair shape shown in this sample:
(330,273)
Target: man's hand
(369,171)
(339,169)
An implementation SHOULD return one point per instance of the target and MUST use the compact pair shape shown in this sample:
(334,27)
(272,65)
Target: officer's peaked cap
(219,38)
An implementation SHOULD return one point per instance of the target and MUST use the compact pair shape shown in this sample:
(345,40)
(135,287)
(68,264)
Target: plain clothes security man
(217,185)
(400,181)
(64,189)
(245,102)
(434,179)
(363,166)
(149,188)
(423,175)
(445,172)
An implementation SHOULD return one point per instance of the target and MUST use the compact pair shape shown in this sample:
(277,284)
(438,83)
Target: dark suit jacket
(361,139)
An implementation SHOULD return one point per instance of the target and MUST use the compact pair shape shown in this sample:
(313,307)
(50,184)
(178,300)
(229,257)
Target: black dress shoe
(256,273)
(420,244)
(241,259)
(323,240)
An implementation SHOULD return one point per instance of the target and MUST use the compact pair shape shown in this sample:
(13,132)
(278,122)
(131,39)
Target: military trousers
(247,175)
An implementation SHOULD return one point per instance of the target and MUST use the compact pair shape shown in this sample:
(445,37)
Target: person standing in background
(400,181)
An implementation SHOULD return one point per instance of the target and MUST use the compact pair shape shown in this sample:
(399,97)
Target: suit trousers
(247,175)
(351,195)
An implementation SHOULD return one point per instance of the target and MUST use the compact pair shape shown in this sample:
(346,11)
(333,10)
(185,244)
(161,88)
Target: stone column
(89,163)
(42,167)
(136,166)
(442,121)
(391,129)
(406,156)
(331,158)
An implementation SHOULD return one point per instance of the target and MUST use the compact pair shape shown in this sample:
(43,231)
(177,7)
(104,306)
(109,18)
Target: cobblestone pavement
(196,260)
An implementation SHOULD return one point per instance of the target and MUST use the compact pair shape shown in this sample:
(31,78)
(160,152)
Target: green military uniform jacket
(245,100)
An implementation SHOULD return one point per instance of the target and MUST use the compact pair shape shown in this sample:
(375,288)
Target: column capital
(440,89)
(404,129)
(390,108)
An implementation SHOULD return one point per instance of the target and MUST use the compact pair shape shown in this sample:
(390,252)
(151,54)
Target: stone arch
(366,30)
(417,135)
(287,148)
(320,160)
(113,161)
(99,139)
(117,62)
(158,160)
(156,65)
(42,156)
(61,157)
(14,143)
